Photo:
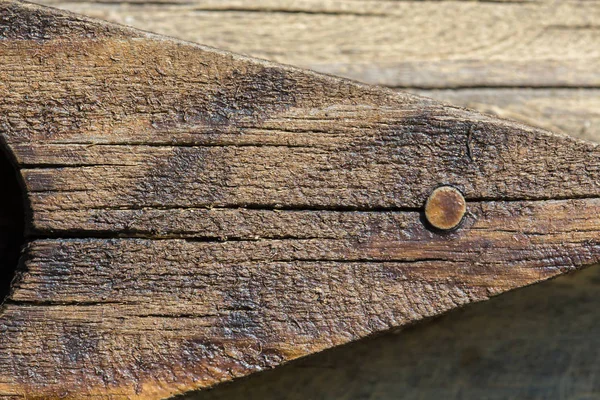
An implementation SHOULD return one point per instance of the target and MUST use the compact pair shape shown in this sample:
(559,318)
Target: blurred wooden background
(533,61)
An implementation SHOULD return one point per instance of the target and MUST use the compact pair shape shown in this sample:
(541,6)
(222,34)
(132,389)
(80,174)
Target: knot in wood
(445,208)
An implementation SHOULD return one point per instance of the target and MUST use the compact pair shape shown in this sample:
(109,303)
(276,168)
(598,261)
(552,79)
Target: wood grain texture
(425,44)
(575,112)
(196,216)
(537,343)
(526,61)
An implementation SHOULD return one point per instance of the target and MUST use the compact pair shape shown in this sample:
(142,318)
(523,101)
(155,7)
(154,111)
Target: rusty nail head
(445,208)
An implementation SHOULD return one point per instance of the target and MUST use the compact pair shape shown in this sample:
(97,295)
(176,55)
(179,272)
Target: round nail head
(445,208)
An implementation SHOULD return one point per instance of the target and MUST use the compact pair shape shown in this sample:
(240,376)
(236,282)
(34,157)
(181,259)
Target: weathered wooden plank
(424,44)
(538,343)
(240,333)
(120,134)
(399,39)
(203,307)
(523,239)
(575,112)
(461,357)
(388,176)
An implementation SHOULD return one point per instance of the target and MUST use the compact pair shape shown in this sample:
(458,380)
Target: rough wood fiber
(525,60)
(538,343)
(196,216)
(488,353)
(426,44)
(575,112)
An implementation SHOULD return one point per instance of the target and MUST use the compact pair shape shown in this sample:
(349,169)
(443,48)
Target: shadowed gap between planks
(12,221)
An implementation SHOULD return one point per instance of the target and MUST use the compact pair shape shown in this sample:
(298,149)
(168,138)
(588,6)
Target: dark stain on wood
(254,93)
(23,22)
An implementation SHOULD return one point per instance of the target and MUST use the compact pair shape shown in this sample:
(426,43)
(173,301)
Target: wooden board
(574,112)
(424,44)
(536,343)
(172,187)
(526,60)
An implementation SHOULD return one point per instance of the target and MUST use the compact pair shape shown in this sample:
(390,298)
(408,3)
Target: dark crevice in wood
(74,165)
(576,86)
(531,233)
(258,207)
(246,10)
(176,316)
(26,303)
(64,235)
(528,199)
(574,27)
(292,11)
(196,144)
(374,260)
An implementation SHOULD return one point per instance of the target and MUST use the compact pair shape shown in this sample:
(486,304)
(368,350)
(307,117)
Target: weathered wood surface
(525,60)
(571,111)
(197,216)
(522,52)
(537,343)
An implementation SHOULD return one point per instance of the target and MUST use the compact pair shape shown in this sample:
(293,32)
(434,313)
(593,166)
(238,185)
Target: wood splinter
(194,216)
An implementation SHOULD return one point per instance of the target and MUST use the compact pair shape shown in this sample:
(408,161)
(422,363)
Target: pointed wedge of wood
(196,216)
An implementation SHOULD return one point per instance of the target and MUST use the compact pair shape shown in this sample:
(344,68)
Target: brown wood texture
(532,61)
(196,216)
(537,343)
(426,44)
